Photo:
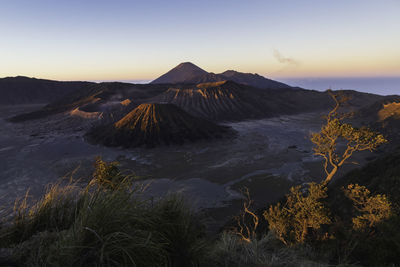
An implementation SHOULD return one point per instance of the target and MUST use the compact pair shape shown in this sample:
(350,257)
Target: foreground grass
(96,226)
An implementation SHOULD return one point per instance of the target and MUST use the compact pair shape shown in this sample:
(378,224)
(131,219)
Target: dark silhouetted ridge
(25,90)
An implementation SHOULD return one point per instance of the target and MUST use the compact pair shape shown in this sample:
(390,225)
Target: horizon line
(141,81)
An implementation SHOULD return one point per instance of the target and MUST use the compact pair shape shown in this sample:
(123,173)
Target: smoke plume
(284,60)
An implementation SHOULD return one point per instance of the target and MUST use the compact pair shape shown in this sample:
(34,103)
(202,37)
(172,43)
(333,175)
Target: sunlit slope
(383,116)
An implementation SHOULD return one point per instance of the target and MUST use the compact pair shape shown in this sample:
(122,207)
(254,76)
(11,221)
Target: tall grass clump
(231,250)
(106,223)
(55,211)
(182,231)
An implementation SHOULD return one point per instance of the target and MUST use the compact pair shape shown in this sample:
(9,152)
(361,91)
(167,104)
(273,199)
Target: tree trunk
(330,175)
(304,232)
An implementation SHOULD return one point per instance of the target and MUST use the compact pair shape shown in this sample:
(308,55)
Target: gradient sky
(127,40)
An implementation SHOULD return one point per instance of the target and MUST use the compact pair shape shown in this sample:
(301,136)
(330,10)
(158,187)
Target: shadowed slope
(155,124)
(252,80)
(24,90)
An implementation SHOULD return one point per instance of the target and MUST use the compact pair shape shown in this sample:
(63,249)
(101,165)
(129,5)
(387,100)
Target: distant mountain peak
(183,73)
(189,73)
(188,65)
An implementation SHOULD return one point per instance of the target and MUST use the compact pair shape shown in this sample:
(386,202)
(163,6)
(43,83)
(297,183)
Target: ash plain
(268,156)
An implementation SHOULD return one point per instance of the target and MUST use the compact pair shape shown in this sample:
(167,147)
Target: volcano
(183,73)
(151,125)
(189,73)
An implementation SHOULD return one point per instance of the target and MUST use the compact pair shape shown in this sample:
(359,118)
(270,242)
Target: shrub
(108,176)
(372,209)
(292,222)
(247,221)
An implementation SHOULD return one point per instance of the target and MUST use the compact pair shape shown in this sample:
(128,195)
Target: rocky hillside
(191,74)
(216,101)
(230,101)
(155,124)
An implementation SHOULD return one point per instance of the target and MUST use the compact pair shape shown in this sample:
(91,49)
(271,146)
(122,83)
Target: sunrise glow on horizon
(140,40)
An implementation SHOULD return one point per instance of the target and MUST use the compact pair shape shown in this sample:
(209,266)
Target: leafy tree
(292,222)
(333,132)
(372,209)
